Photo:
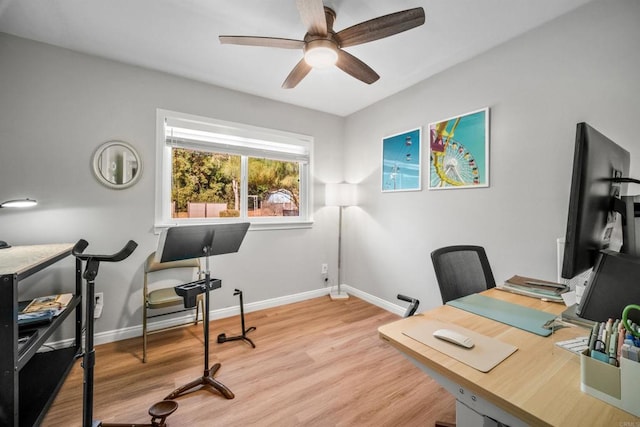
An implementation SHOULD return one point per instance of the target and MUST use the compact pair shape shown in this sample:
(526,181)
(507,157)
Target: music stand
(178,243)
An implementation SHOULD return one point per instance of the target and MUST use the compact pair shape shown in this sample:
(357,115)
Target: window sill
(255,226)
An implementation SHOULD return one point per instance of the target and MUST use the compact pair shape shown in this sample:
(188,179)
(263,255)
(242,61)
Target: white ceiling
(181,37)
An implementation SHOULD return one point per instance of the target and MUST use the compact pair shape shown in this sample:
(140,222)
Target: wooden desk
(537,385)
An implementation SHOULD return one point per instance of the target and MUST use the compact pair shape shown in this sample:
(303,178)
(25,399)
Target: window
(214,171)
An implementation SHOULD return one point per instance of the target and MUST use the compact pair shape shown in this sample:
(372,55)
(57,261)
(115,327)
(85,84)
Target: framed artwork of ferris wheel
(401,158)
(459,151)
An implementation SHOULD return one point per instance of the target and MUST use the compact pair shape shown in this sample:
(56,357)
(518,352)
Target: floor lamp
(341,195)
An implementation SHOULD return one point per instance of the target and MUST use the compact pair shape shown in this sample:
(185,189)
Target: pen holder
(618,386)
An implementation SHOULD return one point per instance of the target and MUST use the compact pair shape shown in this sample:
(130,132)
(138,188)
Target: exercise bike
(158,411)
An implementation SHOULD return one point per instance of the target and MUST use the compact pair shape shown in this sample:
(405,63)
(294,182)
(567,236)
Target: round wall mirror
(117,164)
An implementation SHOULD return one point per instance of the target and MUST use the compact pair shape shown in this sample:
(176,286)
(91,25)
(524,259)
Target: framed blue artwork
(401,157)
(459,151)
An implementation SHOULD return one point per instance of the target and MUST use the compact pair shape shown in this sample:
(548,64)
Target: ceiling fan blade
(262,41)
(313,17)
(356,68)
(383,26)
(297,74)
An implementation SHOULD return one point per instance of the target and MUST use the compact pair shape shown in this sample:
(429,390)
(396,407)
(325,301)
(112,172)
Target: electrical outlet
(99,297)
(324,273)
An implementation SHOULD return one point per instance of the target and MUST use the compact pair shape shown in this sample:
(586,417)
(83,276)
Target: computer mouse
(4,245)
(453,337)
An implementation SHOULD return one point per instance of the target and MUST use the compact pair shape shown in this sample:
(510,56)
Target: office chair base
(338,295)
(206,380)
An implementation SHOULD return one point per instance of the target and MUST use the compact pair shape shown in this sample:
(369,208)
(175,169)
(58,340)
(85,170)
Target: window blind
(227,138)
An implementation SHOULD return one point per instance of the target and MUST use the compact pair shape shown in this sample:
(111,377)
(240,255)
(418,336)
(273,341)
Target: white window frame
(236,138)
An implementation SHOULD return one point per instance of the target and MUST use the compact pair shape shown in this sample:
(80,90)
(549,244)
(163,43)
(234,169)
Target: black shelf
(31,376)
(45,331)
(38,386)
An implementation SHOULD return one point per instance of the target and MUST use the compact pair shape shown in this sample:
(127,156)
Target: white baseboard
(384,304)
(136,331)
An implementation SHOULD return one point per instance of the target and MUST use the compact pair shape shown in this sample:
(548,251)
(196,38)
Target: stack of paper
(535,288)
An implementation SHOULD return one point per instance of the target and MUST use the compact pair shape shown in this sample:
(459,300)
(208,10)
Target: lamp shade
(343,194)
(19,203)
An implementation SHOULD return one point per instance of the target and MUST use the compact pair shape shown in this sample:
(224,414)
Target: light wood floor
(316,363)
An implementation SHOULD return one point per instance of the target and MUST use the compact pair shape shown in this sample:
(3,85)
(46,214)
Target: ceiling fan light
(321,54)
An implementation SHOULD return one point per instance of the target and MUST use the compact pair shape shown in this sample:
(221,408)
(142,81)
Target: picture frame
(459,151)
(401,161)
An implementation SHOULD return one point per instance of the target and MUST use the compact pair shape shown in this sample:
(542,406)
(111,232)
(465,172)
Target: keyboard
(576,345)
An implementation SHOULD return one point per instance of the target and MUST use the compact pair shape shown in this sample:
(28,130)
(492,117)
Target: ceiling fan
(323,47)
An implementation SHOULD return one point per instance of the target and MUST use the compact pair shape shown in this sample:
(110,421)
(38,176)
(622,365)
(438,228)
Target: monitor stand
(178,243)
(570,316)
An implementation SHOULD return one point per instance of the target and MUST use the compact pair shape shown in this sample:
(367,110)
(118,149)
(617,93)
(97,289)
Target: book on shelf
(51,303)
(37,318)
(542,289)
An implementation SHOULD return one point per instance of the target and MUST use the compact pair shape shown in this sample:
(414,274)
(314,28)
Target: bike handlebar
(124,253)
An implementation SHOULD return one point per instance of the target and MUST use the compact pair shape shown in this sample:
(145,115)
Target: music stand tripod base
(207,379)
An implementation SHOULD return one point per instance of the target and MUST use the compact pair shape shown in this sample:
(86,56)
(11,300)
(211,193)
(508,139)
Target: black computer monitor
(595,200)
(601,227)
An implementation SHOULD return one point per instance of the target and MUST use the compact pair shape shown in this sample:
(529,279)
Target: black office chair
(462,270)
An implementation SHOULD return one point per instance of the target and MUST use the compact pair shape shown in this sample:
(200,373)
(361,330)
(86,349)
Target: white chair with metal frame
(161,296)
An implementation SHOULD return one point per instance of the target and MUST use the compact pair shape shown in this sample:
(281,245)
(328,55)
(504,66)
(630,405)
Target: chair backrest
(151,266)
(462,270)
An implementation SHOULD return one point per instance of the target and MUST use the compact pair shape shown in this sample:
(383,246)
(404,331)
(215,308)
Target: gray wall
(58,106)
(581,67)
